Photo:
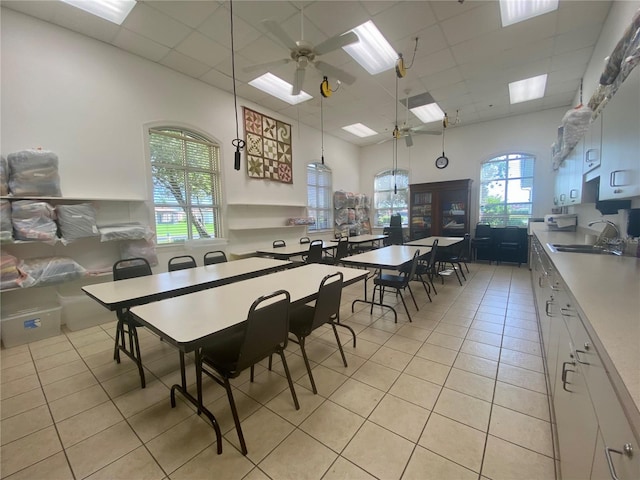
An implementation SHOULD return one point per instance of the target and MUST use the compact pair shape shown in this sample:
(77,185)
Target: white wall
(467,146)
(91,103)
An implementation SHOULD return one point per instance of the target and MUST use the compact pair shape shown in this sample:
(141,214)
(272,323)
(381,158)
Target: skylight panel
(277,87)
(428,113)
(114,11)
(527,89)
(360,130)
(373,52)
(514,11)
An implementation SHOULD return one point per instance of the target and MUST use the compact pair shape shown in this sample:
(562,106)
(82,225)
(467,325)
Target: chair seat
(389,280)
(509,245)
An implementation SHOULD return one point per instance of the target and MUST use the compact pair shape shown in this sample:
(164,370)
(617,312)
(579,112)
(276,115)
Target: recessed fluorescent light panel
(527,89)
(360,130)
(514,11)
(372,52)
(428,113)
(112,10)
(279,88)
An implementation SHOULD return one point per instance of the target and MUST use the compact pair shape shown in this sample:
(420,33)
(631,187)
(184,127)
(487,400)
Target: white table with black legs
(443,242)
(214,310)
(289,251)
(393,257)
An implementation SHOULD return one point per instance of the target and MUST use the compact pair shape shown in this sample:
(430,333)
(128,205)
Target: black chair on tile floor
(428,268)
(342,250)
(304,320)
(217,256)
(127,325)
(509,246)
(397,282)
(482,242)
(315,252)
(453,256)
(181,262)
(265,333)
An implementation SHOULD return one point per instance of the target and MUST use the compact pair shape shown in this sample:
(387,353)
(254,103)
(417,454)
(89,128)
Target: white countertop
(607,289)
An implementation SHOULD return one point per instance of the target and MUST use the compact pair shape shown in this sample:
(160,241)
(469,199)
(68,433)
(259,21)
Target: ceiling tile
(376,6)
(218,28)
(184,64)
(578,14)
(83,22)
(430,40)
(448,9)
(472,23)
(44,10)
(157,26)
(577,59)
(433,63)
(336,18)
(191,13)
(139,45)
(218,79)
(394,23)
(202,48)
(576,39)
(255,11)
(442,78)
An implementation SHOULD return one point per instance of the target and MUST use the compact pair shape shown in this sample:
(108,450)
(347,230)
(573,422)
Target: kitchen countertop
(607,290)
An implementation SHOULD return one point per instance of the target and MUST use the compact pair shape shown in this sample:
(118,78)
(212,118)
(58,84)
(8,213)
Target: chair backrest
(266,328)
(305,240)
(181,262)
(342,250)
(386,241)
(412,271)
(395,236)
(395,220)
(464,247)
(483,230)
(433,256)
(131,268)
(328,301)
(315,252)
(279,243)
(218,256)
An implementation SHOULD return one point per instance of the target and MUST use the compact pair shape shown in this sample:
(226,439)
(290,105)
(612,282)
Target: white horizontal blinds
(186,185)
(319,195)
(391,195)
(506,190)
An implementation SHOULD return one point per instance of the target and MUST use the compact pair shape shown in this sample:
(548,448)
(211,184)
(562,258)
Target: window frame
(393,209)
(506,216)
(313,211)
(188,135)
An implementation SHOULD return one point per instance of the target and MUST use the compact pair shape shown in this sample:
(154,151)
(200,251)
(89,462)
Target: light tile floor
(458,393)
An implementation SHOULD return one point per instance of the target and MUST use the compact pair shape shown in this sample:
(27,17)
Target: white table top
(135,291)
(289,250)
(365,237)
(393,256)
(442,241)
(189,318)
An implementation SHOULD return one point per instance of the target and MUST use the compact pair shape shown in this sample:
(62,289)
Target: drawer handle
(565,371)
(567,312)
(578,357)
(626,450)
(547,307)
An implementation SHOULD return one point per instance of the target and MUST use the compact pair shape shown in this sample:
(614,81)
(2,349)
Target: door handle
(565,371)
(547,307)
(578,357)
(627,450)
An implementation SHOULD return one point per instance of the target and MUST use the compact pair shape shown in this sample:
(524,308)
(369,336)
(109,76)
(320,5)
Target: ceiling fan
(406,130)
(304,53)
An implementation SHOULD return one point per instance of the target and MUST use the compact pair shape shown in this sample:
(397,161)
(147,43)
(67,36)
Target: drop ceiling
(464,58)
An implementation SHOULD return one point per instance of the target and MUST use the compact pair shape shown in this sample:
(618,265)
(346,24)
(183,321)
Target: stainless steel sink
(578,248)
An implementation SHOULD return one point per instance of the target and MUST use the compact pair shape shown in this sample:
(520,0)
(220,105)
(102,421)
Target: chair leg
(405,308)
(412,297)
(136,353)
(119,335)
(270,361)
(461,271)
(306,363)
(353,334)
(251,374)
(426,287)
(286,371)
(335,332)
(373,299)
(234,411)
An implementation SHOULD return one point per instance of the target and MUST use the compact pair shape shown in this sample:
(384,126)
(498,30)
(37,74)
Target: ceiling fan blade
(408,140)
(335,42)
(298,81)
(266,65)
(335,72)
(277,31)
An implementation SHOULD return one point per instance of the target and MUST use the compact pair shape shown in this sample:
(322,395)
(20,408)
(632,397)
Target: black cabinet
(439,209)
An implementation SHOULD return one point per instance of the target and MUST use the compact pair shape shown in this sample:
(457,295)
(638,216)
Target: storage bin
(81,311)
(28,325)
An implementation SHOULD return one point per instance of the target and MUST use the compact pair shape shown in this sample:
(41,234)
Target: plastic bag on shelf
(10,276)
(34,172)
(339,199)
(140,248)
(34,220)
(77,221)
(124,231)
(4,177)
(48,270)
(6,227)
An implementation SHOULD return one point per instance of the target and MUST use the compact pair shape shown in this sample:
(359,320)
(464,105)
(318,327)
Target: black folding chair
(397,282)
(181,262)
(265,332)
(315,252)
(217,256)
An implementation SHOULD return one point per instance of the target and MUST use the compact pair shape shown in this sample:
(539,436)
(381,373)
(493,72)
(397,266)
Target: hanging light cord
(395,144)
(236,142)
(322,128)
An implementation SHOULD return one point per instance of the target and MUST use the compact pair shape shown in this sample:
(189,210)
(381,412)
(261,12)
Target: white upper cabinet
(620,163)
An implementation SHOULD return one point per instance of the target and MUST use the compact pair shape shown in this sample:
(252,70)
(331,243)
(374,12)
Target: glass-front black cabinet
(440,208)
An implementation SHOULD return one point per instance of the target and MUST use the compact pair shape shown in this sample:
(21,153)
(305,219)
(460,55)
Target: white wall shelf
(259,216)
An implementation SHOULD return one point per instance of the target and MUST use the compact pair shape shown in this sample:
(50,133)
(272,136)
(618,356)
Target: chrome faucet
(608,222)
(614,245)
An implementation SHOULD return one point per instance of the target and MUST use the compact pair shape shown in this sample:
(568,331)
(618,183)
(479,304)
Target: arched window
(319,194)
(506,190)
(391,195)
(185,167)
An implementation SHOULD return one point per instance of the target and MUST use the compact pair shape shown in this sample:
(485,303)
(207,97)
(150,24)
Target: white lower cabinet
(594,433)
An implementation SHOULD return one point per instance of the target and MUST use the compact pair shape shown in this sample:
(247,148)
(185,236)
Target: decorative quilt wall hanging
(269,153)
